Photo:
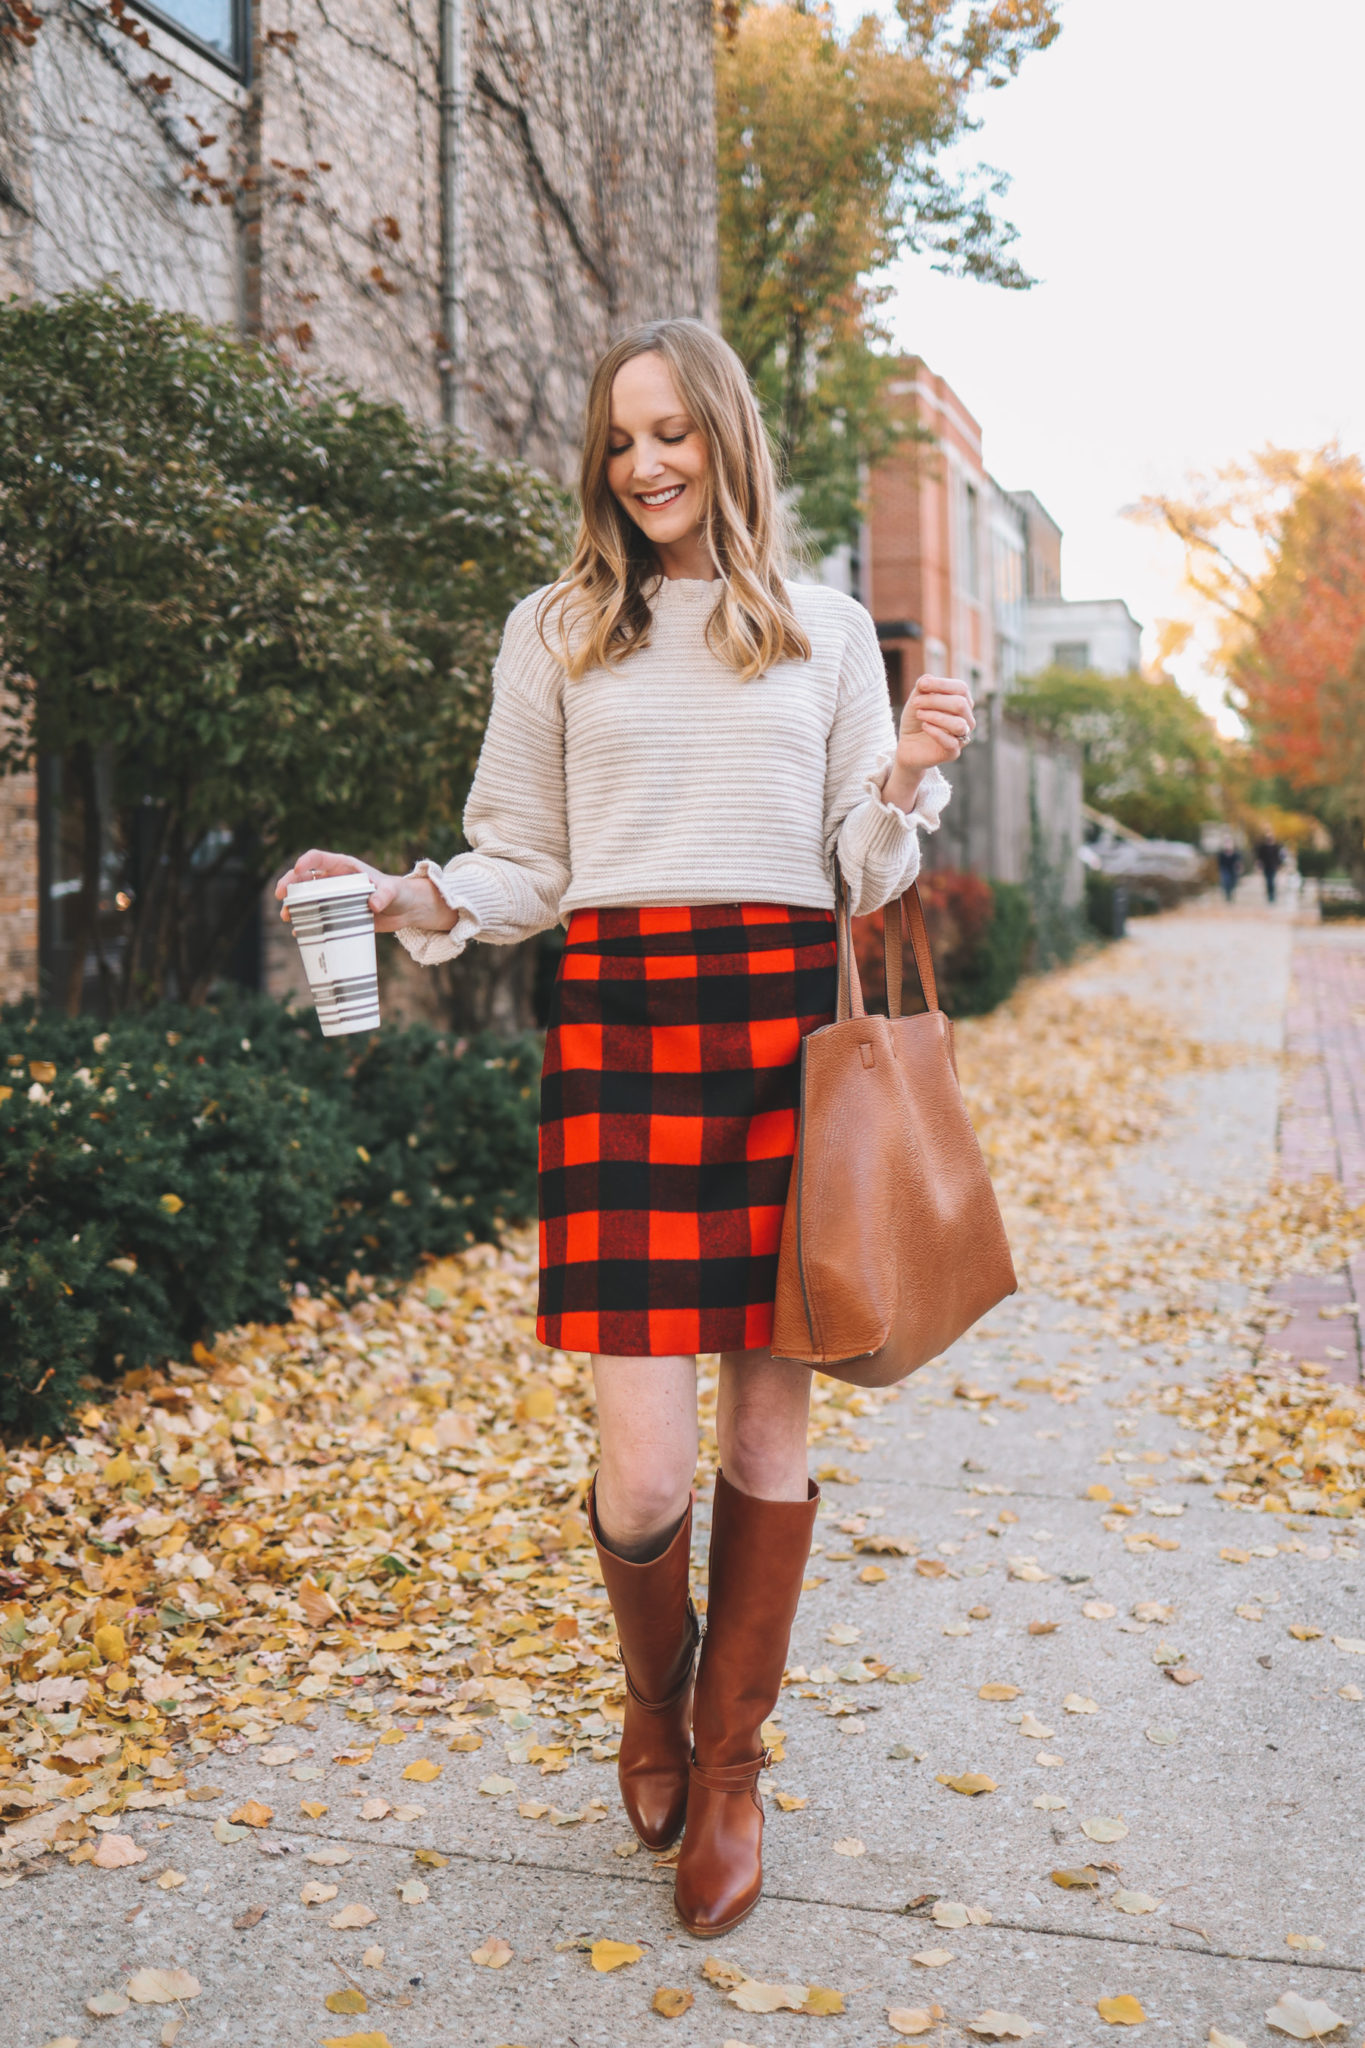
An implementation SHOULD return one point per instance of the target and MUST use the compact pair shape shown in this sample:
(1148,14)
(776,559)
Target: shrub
(1315,863)
(178,1171)
(979,932)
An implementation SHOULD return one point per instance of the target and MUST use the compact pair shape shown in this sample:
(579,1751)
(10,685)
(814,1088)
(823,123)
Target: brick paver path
(1322,1130)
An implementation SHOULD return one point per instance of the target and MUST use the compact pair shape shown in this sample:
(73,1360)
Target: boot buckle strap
(731,1777)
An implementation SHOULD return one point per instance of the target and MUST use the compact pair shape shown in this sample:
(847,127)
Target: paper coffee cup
(334,926)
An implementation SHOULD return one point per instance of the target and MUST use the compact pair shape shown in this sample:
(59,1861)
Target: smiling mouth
(654,499)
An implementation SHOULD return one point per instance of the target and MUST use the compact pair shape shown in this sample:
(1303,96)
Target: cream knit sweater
(667,780)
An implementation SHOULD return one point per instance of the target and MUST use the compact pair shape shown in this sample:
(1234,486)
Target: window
(973,540)
(219,27)
(1071,654)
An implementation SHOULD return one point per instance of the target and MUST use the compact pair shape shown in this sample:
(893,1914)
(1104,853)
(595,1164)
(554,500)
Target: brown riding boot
(759,1550)
(657,1626)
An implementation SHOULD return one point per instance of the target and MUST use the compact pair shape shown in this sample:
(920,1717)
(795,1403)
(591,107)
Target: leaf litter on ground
(387,1488)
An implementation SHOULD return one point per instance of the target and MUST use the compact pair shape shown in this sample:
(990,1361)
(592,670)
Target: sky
(1189,186)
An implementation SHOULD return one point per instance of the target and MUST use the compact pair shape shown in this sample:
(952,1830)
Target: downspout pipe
(452,361)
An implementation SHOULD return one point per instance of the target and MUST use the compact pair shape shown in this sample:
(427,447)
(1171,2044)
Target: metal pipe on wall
(452,362)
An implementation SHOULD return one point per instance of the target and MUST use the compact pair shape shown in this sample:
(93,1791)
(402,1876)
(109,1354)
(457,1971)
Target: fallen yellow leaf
(823,2001)
(347,2001)
(1084,1879)
(999,1692)
(670,2003)
(614,1955)
(1100,1829)
(724,1975)
(493,1954)
(969,1783)
(162,1987)
(350,1916)
(1003,2026)
(913,2019)
(1306,2019)
(1121,2012)
(423,1770)
(106,2004)
(251,1814)
(116,1852)
(753,1996)
(355,2041)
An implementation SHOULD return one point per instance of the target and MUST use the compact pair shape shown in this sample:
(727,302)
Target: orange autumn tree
(1277,547)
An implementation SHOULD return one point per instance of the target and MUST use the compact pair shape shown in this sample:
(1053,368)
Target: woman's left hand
(936,724)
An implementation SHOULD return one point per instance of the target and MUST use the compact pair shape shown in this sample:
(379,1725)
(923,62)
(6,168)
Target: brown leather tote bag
(892,1243)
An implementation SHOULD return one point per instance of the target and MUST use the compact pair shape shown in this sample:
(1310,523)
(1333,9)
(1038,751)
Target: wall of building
(1097,633)
(18,887)
(1010,783)
(307,207)
(929,558)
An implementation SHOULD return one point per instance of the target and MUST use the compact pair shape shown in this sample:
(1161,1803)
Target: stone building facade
(454,203)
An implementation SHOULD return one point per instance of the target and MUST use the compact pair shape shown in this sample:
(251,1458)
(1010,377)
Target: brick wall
(18,887)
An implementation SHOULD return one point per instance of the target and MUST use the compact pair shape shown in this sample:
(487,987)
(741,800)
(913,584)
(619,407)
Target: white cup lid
(328,887)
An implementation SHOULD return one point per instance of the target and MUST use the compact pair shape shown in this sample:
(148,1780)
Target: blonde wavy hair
(598,612)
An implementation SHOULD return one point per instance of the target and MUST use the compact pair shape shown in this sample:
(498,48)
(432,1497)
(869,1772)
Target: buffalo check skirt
(668,1122)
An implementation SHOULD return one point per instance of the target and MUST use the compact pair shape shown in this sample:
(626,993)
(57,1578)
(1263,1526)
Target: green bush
(980,933)
(1000,957)
(180,1170)
(1315,863)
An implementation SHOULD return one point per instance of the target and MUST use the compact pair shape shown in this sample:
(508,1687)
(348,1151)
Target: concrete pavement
(1230,1804)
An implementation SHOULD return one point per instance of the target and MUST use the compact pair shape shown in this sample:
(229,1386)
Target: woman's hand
(936,724)
(396,900)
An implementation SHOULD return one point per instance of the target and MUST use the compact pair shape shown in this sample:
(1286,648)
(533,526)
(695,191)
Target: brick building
(965,578)
(452,203)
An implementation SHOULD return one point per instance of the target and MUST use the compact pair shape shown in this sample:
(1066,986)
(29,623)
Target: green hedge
(983,981)
(980,932)
(178,1171)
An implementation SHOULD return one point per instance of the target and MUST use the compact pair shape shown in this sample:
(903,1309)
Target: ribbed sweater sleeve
(878,845)
(509,886)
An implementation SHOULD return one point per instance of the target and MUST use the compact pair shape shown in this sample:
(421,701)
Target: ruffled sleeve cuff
(428,948)
(927,811)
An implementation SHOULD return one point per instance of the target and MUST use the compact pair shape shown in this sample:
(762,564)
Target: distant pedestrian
(1229,866)
(1269,859)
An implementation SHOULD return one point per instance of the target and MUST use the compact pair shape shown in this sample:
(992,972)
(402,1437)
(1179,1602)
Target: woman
(680,744)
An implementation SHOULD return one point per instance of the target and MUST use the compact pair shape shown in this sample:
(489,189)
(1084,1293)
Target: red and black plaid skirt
(668,1122)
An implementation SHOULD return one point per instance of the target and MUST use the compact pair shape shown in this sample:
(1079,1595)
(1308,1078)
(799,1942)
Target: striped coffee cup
(334,925)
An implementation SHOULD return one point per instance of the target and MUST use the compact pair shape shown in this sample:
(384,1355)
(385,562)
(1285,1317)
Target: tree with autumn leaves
(1277,548)
(832,155)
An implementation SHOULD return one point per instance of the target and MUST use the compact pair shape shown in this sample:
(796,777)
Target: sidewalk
(1322,1131)
(1030,1571)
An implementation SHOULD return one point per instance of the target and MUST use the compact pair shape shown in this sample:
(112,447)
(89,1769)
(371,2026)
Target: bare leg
(762,1412)
(647,1425)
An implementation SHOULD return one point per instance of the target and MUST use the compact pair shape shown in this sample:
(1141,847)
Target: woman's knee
(639,1497)
(762,1432)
